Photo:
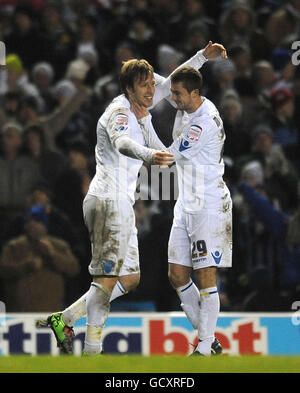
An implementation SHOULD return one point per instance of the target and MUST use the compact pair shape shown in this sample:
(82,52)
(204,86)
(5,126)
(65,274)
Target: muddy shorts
(113,236)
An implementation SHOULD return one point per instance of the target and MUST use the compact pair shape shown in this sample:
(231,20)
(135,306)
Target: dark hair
(190,77)
(134,70)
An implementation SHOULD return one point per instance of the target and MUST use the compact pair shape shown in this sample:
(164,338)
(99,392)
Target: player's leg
(209,308)
(210,235)
(97,310)
(111,223)
(129,279)
(77,310)
(180,269)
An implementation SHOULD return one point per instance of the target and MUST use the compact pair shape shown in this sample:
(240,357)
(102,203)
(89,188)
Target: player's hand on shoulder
(139,110)
(163,158)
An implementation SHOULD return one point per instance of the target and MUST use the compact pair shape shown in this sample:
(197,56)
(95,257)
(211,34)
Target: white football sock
(97,307)
(190,300)
(209,312)
(118,290)
(77,310)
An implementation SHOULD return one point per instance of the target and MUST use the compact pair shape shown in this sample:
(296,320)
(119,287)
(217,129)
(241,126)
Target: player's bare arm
(162,157)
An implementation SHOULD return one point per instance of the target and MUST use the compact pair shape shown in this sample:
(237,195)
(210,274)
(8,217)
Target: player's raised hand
(213,50)
(163,158)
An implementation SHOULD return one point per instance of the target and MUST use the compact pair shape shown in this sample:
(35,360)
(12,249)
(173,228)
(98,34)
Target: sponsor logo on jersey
(217,257)
(122,121)
(194,132)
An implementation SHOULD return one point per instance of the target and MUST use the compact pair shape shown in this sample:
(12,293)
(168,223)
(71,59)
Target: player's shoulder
(120,106)
(206,115)
(203,122)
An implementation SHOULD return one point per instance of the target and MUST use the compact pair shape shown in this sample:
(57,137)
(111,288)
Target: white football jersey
(116,175)
(198,146)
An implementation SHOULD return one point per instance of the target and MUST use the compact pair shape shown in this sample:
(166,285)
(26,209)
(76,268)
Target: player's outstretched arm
(163,85)
(130,148)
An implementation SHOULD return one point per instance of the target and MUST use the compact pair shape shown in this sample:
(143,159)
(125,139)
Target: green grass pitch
(149,364)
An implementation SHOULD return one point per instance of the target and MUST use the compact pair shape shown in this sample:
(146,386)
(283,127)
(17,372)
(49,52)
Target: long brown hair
(134,70)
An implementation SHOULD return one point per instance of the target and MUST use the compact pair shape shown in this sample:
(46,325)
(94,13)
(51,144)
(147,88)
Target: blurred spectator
(238,24)
(283,22)
(17,80)
(50,163)
(285,231)
(80,124)
(10,107)
(91,48)
(76,72)
(223,74)
(58,39)
(263,77)
(54,122)
(58,224)
(73,183)
(240,54)
(196,38)
(192,15)
(237,135)
(43,76)
(24,38)
(168,58)
(285,131)
(33,265)
(144,37)
(280,176)
(18,172)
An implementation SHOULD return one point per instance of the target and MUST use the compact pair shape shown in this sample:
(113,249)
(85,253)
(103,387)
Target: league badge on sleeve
(194,132)
(191,137)
(121,122)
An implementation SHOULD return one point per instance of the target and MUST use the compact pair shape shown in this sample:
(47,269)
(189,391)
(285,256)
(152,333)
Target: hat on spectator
(39,214)
(14,63)
(44,67)
(253,170)
(25,9)
(279,97)
(280,58)
(261,129)
(10,125)
(77,69)
(64,88)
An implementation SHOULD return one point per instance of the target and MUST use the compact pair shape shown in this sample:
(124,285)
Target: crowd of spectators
(62,64)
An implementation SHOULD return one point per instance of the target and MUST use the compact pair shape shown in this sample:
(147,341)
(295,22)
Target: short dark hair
(190,78)
(134,70)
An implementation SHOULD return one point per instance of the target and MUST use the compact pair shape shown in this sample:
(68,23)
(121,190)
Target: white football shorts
(202,239)
(113,236)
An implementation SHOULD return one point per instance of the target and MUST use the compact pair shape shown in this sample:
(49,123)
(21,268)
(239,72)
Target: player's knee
(131,281)
(176,279)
